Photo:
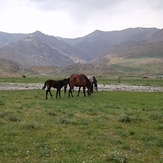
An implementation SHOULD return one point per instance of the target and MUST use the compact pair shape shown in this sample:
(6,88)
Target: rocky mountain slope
(137,56)
(33,51)
(98,43)
(129,50)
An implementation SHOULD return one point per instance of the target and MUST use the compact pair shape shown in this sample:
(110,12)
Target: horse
(93,81)
(94,85)
(58,84)
(79,80)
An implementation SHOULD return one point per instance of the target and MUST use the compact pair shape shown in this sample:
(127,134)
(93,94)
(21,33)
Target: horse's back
(77,80)
(92,79)
(49,82)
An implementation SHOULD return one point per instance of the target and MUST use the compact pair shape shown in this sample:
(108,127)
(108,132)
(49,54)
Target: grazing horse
(93,81)
(55,84)
(79,80)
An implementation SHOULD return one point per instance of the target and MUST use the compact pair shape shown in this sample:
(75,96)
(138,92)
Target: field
(111,127)
(101,80)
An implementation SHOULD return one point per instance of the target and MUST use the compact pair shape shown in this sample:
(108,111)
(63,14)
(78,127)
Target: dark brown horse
(58,84)
(93,81)
(79,80)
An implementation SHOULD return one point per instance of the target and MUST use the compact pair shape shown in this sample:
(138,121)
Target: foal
(55,84)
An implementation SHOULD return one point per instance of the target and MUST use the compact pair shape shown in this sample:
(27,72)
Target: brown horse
(79,80)
(55,84)
(93,82)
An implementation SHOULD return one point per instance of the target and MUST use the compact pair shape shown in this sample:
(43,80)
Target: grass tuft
(125,118)
(116,157)
(156,116)
(2,103)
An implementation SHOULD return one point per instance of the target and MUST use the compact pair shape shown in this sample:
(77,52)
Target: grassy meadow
(132,80)
(111,127)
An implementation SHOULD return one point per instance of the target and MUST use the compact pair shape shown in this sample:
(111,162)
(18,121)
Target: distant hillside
(133,50)
(10,68)
(59,45)
(135,57)
(33,51)
(7,38)
(156,37)
(98,43)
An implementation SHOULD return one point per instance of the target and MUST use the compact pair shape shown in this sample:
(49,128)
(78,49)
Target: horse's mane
(86,79)
(94,78)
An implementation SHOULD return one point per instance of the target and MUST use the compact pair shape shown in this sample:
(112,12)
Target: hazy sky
(75,18)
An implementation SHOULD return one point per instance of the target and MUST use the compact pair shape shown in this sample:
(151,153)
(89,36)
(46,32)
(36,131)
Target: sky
(77,18)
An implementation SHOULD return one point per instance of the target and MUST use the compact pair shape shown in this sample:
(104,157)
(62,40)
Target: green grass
(23,80)
(146,63)
(133,80)
(107,127)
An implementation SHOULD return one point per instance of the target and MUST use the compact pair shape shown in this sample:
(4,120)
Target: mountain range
(132,50)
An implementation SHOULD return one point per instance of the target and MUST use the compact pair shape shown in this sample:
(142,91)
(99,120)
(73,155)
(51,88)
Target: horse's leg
(46,94)
(91,88)
(95,86)
(59,91)
(84,91)
(79,91)
(65,88)
(70,92)
(48,90)
(50,93)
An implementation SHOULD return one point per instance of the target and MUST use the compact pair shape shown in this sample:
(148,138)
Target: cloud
(73,18)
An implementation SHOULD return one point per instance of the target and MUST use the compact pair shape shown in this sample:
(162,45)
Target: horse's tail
(95,83)
(44,86)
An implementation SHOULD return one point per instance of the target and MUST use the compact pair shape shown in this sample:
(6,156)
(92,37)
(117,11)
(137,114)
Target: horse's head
(95,83)
(96,87)
(90,88)
(65,83)
(89,92)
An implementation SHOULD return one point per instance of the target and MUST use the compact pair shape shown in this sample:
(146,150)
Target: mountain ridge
(103,48)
